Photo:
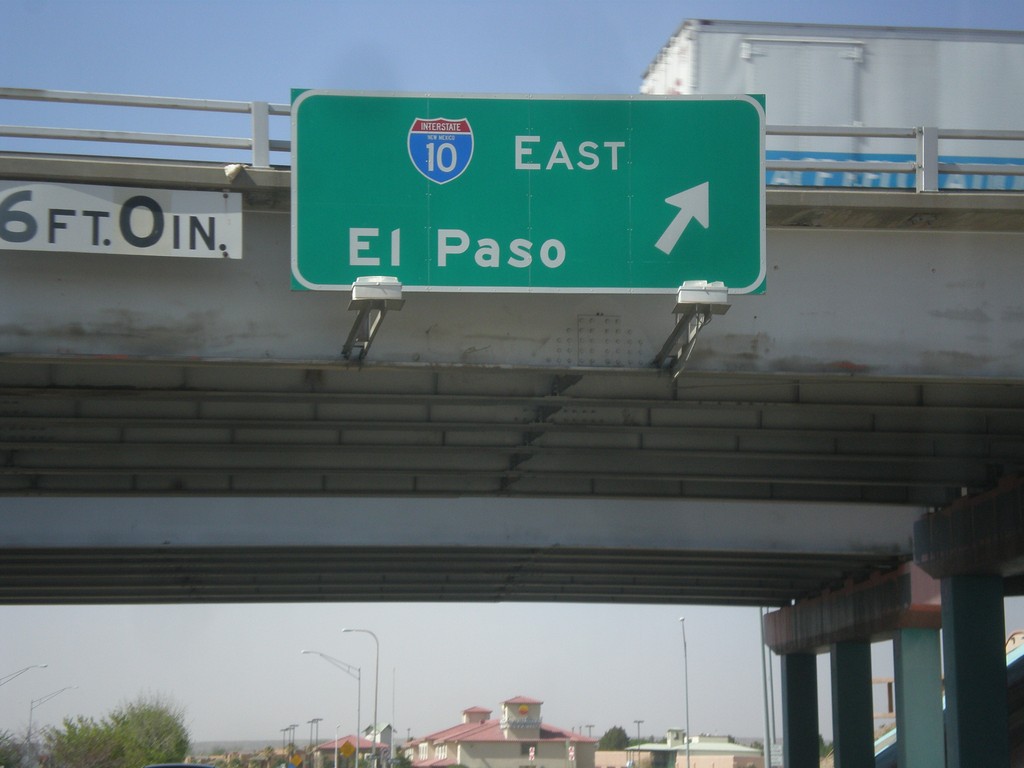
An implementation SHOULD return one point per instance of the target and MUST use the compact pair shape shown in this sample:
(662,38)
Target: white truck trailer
(957,80)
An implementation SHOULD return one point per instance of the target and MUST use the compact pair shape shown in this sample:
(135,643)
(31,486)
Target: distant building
(347,747)
(607,758)
(718,752)
(705,752)
(519,738)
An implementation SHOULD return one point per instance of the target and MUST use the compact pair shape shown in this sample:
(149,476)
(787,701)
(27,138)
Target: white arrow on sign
(692,204)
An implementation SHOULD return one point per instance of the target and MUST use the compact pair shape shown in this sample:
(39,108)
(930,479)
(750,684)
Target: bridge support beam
(981,534)
(800,710)
(852,712)
(868,610)
(918,672)
(973,630)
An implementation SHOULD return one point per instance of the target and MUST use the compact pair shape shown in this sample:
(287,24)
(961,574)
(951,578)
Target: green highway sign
(529,193)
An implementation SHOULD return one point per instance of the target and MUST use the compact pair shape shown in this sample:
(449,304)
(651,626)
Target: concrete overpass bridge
(844,447)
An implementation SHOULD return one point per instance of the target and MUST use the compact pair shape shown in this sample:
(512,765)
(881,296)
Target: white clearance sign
(87,218)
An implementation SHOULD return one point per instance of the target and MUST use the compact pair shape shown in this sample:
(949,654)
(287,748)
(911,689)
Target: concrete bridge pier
(800,710)
(918,683)
(973,634)
(852,710)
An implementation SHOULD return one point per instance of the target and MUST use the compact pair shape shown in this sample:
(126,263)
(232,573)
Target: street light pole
(314,722)
(32,708)
(637,761)
(376,689)
(351,671)
(686,690)
(7,678)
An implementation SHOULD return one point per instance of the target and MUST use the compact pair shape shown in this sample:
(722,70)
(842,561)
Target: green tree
(149,730)
(824,747)
(12,750)
(615,739)
(83,743)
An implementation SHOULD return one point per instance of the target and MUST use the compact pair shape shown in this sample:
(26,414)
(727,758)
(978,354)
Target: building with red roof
(519,738)
(346,749)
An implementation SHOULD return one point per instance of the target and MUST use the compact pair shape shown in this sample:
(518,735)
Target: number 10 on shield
(440,148)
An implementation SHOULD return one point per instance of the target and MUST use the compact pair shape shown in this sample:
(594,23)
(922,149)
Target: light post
(637,761)
(8,678)
(32,708)
(686,690)
(351,671)
(314,722)
(287,737)
(376,688)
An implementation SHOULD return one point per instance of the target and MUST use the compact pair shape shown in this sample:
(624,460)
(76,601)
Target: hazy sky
(237,670)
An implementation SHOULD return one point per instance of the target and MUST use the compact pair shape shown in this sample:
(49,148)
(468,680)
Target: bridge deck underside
(412,574)
(74,428)
(84,427)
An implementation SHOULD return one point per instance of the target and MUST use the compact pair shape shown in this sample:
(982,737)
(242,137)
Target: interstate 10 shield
(441,148)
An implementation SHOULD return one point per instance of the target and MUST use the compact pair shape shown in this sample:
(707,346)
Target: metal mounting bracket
(696,302)
(372,298)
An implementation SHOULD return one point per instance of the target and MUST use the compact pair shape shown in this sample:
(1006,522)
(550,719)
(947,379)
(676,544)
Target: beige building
(705,752)
(718,752)
(518,738)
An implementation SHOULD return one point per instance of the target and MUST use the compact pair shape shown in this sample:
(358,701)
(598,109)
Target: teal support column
(852,711)
(917,664)
(973,630)
(800,710)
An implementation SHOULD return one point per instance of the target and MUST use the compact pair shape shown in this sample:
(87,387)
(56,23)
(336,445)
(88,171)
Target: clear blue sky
(259,50)
(237,670)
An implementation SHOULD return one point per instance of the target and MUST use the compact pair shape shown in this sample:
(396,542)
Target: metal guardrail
(925,167)
(259,142)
